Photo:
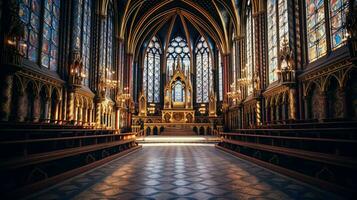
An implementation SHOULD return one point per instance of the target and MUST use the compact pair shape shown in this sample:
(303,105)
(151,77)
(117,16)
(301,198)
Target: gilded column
(97,115)
(70,106)
(292,103)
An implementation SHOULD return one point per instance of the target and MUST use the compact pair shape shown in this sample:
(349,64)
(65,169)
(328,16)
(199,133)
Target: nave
(181,171)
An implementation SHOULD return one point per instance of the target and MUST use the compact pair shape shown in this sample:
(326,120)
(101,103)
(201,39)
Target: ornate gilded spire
(178,63)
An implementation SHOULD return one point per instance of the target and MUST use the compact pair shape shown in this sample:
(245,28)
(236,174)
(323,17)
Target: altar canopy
(178,106)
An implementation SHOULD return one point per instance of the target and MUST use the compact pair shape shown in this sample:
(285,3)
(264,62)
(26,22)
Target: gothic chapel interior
(178,99)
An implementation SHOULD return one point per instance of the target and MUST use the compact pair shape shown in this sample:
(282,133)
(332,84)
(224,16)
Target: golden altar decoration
(178,109)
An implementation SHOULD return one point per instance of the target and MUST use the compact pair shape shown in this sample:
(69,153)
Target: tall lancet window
(278,34)
(106,46)
(204,77)
(249,34)
(234,66)
(151,72)
(85,34)
(41,20)
(178,48)
(220,76)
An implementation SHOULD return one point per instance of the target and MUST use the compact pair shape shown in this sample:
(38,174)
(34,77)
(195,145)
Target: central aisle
(192,171)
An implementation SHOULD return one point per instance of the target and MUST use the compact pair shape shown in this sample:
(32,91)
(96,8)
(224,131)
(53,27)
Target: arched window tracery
(151,72)
(278,34)
(178,47)
(204,76)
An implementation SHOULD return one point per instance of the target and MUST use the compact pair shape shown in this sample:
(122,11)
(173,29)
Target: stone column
(85,116)
(341,103)
(22,105)
(283,111)
(56,111)
(6,95)
(36,108)
(47,110)
(267,116)
(323,103)
(306,107)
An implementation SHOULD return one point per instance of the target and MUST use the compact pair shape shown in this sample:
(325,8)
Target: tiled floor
(181,172)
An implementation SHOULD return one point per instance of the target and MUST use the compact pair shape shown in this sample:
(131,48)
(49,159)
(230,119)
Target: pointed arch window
(249,32)
(220,76)
(278,34)
(40,42)
(234,65)
(204,77)
(86,12)
(106,46)
(178,47)
(151,72)
(318,44)
(178,92)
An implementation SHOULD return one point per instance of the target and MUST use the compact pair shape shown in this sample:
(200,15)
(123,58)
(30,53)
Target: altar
(178,105)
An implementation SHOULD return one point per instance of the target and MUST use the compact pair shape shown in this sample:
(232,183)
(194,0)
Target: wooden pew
(324,154)
(32,159)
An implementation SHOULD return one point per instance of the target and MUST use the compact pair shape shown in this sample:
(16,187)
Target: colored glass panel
(338,9)
(220,76)
(29,13)
(178,47)
(151,72)
(248,69)
(316,32)
(85,30)
(204,76)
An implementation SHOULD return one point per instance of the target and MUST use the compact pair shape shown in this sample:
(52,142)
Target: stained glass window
(316,11)
(248,69)
(178,92)
(30,14)
(178,47)
(338,22)
(86,26)
(49,55)
(234,66)
(204,77)
(151,72)
(106,46)
(276,8)
(220,76)
(33,16)
(316,31)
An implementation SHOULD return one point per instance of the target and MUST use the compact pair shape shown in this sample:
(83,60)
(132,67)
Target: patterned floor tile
(181,172)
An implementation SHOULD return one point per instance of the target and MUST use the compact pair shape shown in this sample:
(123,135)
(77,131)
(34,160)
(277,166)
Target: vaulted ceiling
(141,19)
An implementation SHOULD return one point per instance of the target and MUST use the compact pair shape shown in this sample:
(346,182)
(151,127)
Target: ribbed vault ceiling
(141,19)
